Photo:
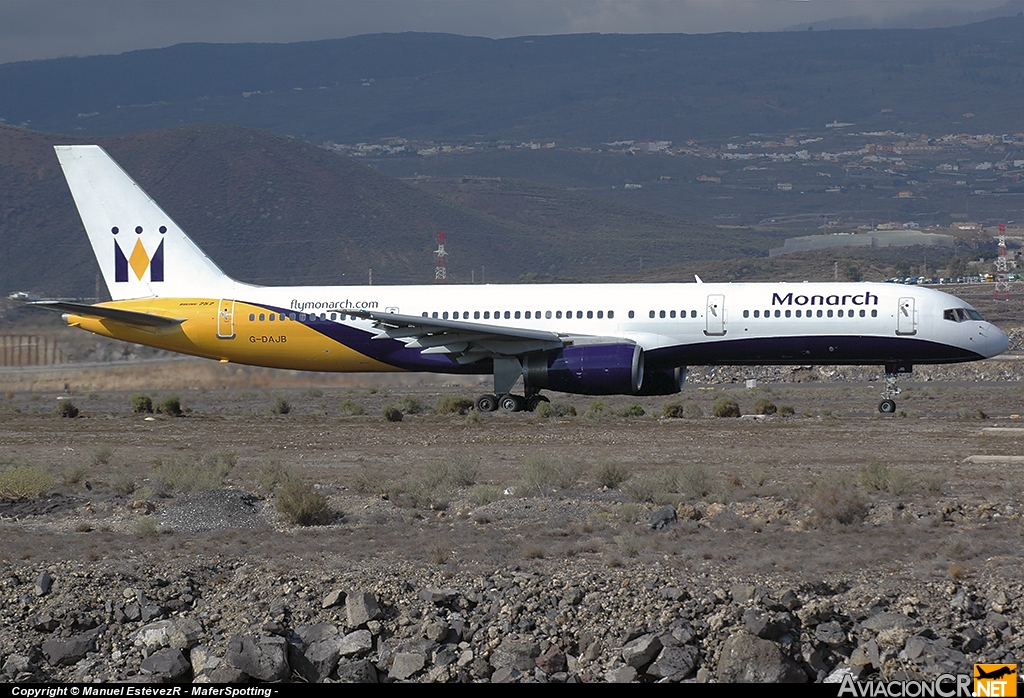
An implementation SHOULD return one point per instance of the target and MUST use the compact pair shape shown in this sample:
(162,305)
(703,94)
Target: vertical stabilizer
(141,251)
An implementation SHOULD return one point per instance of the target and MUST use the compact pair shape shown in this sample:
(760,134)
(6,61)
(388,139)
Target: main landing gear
(509,403)
(507,371)
(892,374)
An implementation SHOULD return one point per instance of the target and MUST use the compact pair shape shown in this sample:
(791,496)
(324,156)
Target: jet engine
(590,369)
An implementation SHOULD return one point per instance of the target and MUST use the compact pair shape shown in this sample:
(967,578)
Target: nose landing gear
(892,374)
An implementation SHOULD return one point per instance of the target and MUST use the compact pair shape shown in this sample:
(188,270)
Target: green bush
(610,474)
(66,408)
(392,413)
(301,504)
(672,409)
(597,411)
(142,404)
(454,404)
(725,407)
(554,409)
(170,406)
(763,405)
(633,410)
(351,407)
(25,481)
(281,406)
(410,405)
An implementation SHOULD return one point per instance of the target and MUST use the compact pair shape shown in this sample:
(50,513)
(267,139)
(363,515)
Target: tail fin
(141,251)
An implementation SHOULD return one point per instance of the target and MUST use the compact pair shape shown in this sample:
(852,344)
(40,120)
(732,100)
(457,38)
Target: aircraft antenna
(1002,278)
(441,270)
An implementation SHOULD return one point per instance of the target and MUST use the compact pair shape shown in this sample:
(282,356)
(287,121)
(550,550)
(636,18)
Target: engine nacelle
(666,382)
(590,369)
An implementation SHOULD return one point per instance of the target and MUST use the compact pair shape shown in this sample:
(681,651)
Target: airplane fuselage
(313,328)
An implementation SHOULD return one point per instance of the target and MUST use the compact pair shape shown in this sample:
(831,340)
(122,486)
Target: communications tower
(1002,277)
(441,270)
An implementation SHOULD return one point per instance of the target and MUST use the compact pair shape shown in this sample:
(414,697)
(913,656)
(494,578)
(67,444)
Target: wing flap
(465,342)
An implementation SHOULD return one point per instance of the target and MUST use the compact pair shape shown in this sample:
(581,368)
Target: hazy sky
(31,29)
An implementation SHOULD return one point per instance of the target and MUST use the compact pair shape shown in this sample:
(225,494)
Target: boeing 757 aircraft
(590,339)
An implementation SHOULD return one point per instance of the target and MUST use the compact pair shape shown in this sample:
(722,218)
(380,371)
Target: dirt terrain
(892,509)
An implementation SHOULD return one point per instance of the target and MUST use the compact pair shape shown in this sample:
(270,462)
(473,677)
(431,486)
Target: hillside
(578,88)
(276,210)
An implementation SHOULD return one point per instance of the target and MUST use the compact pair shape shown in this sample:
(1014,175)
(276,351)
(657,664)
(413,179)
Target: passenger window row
(522,314)
(667,313)
(810,313)
(301,317)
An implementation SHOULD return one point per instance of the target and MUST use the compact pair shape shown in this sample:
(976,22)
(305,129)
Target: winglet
(698,279)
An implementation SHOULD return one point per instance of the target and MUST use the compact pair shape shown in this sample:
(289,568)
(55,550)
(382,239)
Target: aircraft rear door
(714,316)
(906,317)
(226,319)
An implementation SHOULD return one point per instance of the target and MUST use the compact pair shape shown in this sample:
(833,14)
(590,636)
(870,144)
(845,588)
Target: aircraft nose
(996,341)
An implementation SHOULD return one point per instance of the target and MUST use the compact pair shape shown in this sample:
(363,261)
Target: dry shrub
(836,501)
(66,408)
(25,481)
(351,407)
(877,476)
(189,473)
(543,473)
(725,407)
(392,413)
(142,404)
(609,473)
(170,406)
(454,404)
(763,405)
(480,495)
(301,504)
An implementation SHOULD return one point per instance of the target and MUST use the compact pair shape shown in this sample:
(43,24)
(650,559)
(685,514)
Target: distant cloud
(32,29)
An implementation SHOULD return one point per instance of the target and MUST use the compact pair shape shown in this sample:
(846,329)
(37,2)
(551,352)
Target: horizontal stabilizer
(129,317)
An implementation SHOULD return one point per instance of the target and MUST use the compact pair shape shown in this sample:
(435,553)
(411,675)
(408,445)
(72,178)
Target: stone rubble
(206,620)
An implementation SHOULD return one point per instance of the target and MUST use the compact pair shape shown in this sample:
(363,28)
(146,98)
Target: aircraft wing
(465,342)
(129,317)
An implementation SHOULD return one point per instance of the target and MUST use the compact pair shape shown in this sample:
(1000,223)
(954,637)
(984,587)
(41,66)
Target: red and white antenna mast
(441,270)
(1002,277)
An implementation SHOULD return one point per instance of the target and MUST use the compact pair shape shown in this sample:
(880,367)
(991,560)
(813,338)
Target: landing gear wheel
(887,406)
(486,403)
(534,402)
(511,403)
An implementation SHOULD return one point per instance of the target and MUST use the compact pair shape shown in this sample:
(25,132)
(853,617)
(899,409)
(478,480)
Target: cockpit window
(962,314)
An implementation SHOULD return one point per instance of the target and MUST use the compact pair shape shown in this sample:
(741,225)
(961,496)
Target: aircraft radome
(590,339)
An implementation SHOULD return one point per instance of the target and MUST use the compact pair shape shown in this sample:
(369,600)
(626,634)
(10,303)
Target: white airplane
(590,339)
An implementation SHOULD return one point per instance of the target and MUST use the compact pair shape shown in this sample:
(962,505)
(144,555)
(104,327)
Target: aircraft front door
(906,317)
(714,316)
(226,319)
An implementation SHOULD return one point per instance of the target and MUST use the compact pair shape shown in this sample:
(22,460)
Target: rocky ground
(596,547)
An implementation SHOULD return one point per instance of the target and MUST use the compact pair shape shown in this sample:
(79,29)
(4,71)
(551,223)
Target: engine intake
(592,369)
(666,382)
